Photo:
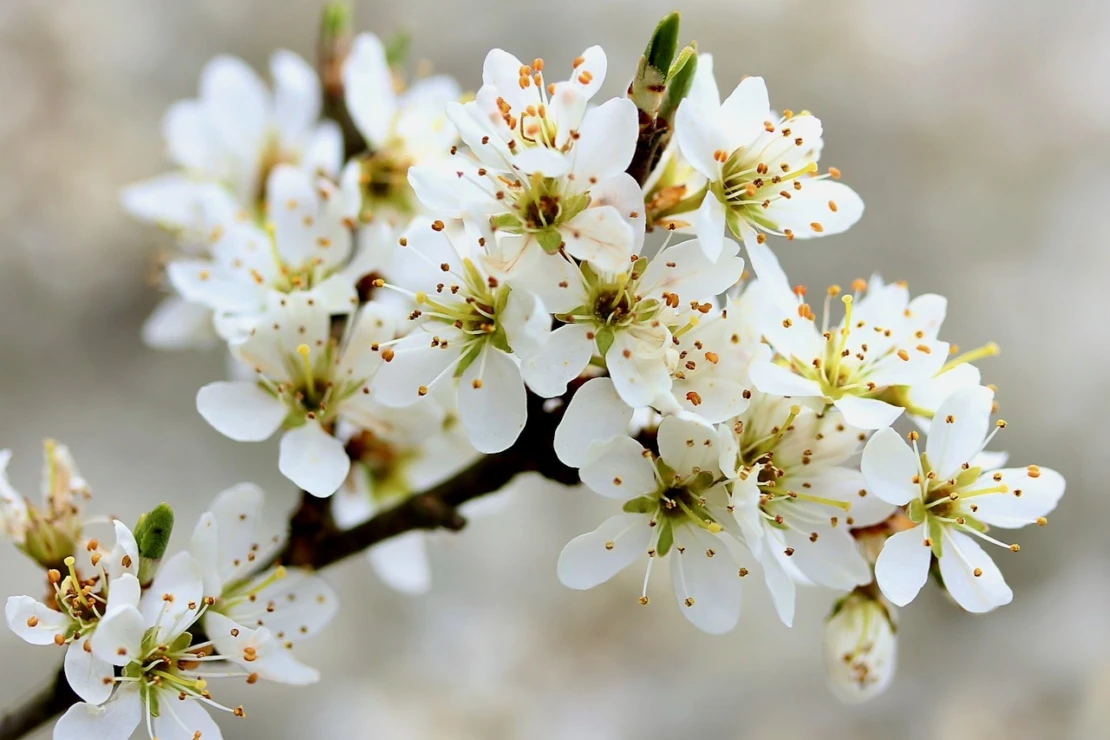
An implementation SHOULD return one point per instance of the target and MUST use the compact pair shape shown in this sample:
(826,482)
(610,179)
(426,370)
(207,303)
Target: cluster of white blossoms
(396,289)
(144,638)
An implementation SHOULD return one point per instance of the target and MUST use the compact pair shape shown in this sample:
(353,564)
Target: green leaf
(663,44)
(679,81)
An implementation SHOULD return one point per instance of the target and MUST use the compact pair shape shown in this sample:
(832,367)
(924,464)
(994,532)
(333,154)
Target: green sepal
(467,358)
(666,472)
(936,530)
(916,511)
(604,340)
(507,222)
(572,205)
(550,239)
(641,505)
(639,267)
(967,477)
(397,48)
(666,538)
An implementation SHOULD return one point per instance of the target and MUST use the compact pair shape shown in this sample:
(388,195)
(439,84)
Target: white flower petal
(124,592)
(237,514)
(688,445)
(237,101)
(596,412)
(867,413)
(115,720)
(33,621)
(778,580)
(313,459)
(961,557)
(593,558)
(90,678)
(832,560)
(1032,492)
(600,236)
(368,85)
(890,466)
(296,95)
(606,142)
(176,324)
(183,719)
(560,360)
(685,270)
(958,430)
(810,206)
(617,468)
(744,112)
(778,380)
(240,410)
(324,152)
(699,138)
(493,405)
(706,581)
(639,371)
(118,637)
(416,365)
(709,225)
(903,565)
(860,651)
(623,193)
(402,563)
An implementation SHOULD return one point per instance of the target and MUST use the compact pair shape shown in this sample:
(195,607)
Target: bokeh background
(977,133)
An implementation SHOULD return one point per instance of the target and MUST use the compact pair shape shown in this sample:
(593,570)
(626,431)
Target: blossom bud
(152,534)
(679,81)
(860,647)
(651,74)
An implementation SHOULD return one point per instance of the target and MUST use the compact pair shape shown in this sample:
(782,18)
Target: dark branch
(47,703)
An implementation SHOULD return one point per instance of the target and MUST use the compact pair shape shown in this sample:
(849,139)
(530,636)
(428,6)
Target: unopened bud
(860,647)
(152,534)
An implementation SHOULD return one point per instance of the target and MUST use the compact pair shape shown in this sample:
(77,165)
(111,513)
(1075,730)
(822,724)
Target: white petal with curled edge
(775,379)
(596,412)
(402,563)
(931,393)
(889,466)
(90,678)
(970,575)
(959,427)
(706,582)
(240,410)
(33,621)
(118,637)
(313,459)
(903,565)
(183,719)
(1031,493)
(709,225)
(688,445)
(617,468)
(606,141)
(368,86)
(296,95)
(560,360)
(114,720)
(867,413)
(699,138)
(493,405)
(595,63)
(593,558)
(623,193)
(123,591)
(744,112)
(124,557)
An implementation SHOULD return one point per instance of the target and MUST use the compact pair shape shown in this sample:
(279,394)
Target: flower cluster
(142,637)
(396,291)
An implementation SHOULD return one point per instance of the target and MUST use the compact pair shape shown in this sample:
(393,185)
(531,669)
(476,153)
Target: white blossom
(464,330)
(544,174)
(762,173)
(675,507)
(952,502)
(860,647)
(292,604)
(884,341)
(795,497)
(306,380)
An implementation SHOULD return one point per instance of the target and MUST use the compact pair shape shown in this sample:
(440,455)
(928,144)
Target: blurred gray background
(976,132)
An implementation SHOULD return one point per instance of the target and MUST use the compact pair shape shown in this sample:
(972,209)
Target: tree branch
(47,703)
(315,542)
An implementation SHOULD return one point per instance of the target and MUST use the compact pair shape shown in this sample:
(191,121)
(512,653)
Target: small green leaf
(679,81)
(153,531)
(663,45)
